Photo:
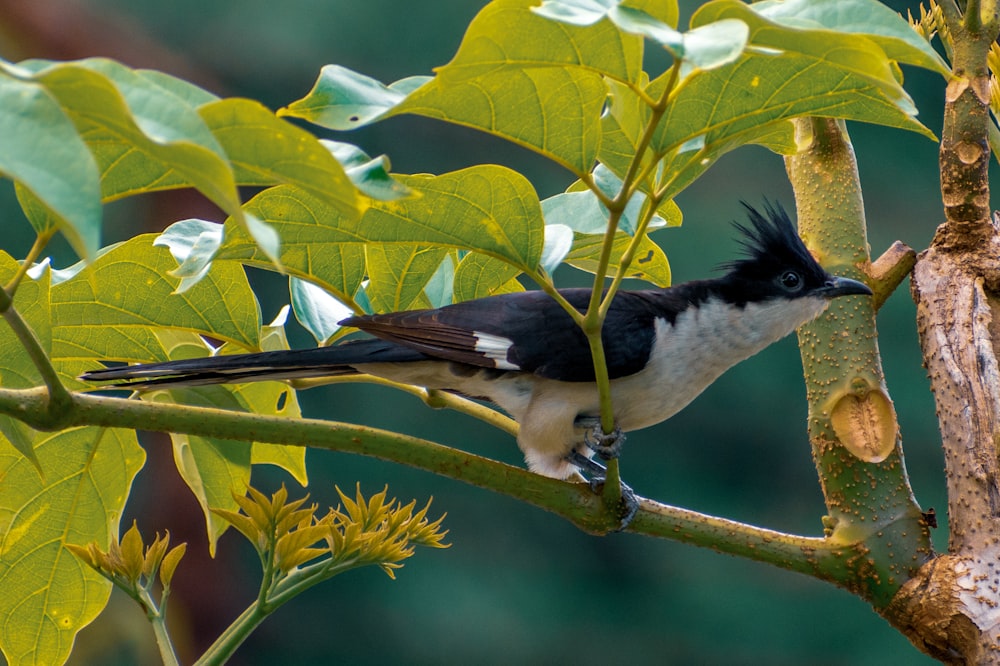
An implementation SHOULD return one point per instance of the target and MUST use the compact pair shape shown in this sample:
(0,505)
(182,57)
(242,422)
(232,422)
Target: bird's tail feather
(235,368)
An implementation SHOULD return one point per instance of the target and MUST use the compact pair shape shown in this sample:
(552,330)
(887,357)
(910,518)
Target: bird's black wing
(525,331)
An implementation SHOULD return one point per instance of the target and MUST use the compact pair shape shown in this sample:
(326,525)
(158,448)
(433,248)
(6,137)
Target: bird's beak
(841,286)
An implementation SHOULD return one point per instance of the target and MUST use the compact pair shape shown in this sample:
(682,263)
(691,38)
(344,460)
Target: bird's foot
(598,476)
(605,445)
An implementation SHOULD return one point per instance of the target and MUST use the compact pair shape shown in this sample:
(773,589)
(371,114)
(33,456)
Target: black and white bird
(524,353)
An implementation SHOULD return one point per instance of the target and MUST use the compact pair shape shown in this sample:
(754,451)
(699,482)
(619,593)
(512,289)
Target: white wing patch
(494,347)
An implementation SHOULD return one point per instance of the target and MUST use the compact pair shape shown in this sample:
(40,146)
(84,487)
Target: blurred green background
(518,584)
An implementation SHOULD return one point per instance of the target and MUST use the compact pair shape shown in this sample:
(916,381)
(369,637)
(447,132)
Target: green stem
(628,189)
(297,582)
(163,642)
(573,501)
(59,397)
(41,241)
(852,424)
(600,299)
(652,203)
(157,620)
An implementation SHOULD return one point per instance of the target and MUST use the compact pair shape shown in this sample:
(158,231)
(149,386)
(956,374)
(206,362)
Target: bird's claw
(605,445)
(629,504)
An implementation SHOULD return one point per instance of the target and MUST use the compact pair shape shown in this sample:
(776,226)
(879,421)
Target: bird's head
(778,266)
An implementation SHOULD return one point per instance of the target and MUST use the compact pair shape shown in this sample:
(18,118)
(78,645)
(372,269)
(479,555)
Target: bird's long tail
(287,364)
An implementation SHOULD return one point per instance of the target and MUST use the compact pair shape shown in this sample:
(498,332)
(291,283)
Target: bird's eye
(791,280)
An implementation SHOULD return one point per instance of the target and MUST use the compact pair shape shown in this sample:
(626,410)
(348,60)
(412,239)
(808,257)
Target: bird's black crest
(771,239)
(771,247)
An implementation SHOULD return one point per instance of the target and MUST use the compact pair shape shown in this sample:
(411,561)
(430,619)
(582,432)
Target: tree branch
(832,558)
(852,424)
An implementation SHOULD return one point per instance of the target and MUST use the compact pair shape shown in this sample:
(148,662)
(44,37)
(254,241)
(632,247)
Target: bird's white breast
(703,343)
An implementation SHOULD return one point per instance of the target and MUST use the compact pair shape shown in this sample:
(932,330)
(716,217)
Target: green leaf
(712,45)
(316,309)
(629,19)
(266,150)
(516,75)
(650,263)
(312,245)
(554,111)
(194,244)
(705,47)
(49,594)
(112,308)
(576,12)
(32,303)
(479,275)
(509,34)
(870,18)
(532,81)
(440,289)
(664,11)
(187,92)
(143,135)
(580,210)
(213,469)
(398,274)
(622,125)
(785,73)
(558,242)
(371,176)
(265,237)
(83,239)
(487,208)
(44,154)
(342,99)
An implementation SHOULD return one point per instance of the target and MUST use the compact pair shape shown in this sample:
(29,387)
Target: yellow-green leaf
(111,308)
(870,18)
(479,275)
(398,274)
(488,208)
(132,555)
(650,263)
(213,469)
(44,153)
(49,594)
(508,34)
(266,150)
(170,562)
(555,111)
(311,245)
(531,80)
(143,136)
(16,368)
(785,73)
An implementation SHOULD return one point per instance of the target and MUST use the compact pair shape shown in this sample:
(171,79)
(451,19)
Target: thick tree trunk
(951,609)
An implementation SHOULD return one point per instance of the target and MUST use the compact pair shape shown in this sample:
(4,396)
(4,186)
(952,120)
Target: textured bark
(951,609)
(938,614)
